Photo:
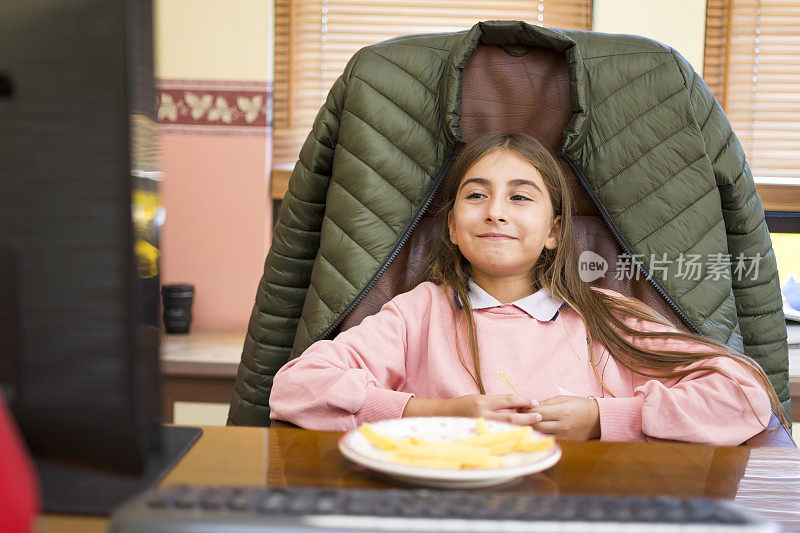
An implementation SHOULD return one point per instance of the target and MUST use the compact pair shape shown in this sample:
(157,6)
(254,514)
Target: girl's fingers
(522,419)
(555,400)
(509,401)
(549,412)
(549,427)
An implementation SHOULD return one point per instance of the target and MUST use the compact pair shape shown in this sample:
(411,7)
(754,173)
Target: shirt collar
(539,305)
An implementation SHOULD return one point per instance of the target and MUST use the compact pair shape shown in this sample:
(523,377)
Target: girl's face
(502,218)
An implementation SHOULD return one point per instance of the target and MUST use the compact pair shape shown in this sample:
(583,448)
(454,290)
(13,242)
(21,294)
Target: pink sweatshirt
(369,372)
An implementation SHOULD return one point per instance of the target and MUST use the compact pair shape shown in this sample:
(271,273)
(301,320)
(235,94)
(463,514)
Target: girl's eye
(518,197)
(474,195)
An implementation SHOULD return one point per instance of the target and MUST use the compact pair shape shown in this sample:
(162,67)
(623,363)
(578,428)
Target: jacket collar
(539,305)
(499,32)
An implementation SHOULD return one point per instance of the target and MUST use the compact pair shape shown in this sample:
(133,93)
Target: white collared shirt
(539,305)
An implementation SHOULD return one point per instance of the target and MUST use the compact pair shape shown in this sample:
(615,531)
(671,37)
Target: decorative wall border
(214,107)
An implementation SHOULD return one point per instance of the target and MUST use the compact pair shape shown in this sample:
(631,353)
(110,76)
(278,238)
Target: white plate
(358,449)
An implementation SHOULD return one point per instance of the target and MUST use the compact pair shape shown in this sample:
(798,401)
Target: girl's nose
(495,210)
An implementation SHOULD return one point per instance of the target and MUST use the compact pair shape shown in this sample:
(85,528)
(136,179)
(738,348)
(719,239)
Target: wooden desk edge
(203,369)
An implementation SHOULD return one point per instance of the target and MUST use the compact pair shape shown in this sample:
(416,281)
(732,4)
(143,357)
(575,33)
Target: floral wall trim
(215,107)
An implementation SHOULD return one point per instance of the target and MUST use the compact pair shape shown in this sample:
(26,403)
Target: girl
(503,294)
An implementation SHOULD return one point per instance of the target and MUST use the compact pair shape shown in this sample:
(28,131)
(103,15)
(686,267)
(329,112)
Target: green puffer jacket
(647,135)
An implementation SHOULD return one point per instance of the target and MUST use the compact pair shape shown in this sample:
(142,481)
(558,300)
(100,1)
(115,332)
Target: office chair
(529,93)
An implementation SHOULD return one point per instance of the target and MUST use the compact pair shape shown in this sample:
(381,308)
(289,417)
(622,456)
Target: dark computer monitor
(78,182)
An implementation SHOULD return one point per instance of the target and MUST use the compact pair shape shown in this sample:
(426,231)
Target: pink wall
(218,222)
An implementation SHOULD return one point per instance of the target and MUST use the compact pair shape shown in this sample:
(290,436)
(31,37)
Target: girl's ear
(451,226)
(555,234)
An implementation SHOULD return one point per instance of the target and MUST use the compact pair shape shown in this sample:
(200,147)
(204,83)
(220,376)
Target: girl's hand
(569,417)
(478,405)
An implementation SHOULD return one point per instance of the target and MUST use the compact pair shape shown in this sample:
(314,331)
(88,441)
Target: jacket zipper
(624,245)
(395,252)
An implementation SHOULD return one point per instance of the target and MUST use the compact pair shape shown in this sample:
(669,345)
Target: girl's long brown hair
(557,273)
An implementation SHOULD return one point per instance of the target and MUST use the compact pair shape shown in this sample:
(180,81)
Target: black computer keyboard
(184,509)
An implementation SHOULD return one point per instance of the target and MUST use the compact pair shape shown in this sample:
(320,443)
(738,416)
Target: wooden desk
(766,480)
(198,367)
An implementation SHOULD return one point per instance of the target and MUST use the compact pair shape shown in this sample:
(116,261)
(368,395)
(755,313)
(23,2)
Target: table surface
(201,354)
(766,480)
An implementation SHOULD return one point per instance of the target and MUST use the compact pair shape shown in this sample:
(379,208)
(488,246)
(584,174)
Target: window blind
(753,68)
(314,39)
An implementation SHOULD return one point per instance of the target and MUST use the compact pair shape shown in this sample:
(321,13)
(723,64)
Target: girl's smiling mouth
(495,236)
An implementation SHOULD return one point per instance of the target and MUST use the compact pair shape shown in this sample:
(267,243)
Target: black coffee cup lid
(177,290)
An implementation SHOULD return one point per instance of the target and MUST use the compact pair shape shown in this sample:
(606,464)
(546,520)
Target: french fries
(382,441)
(490,439)
(480,427)
(482,451)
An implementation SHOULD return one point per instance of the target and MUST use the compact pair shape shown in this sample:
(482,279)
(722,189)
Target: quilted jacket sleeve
(287,269)
(756,287)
